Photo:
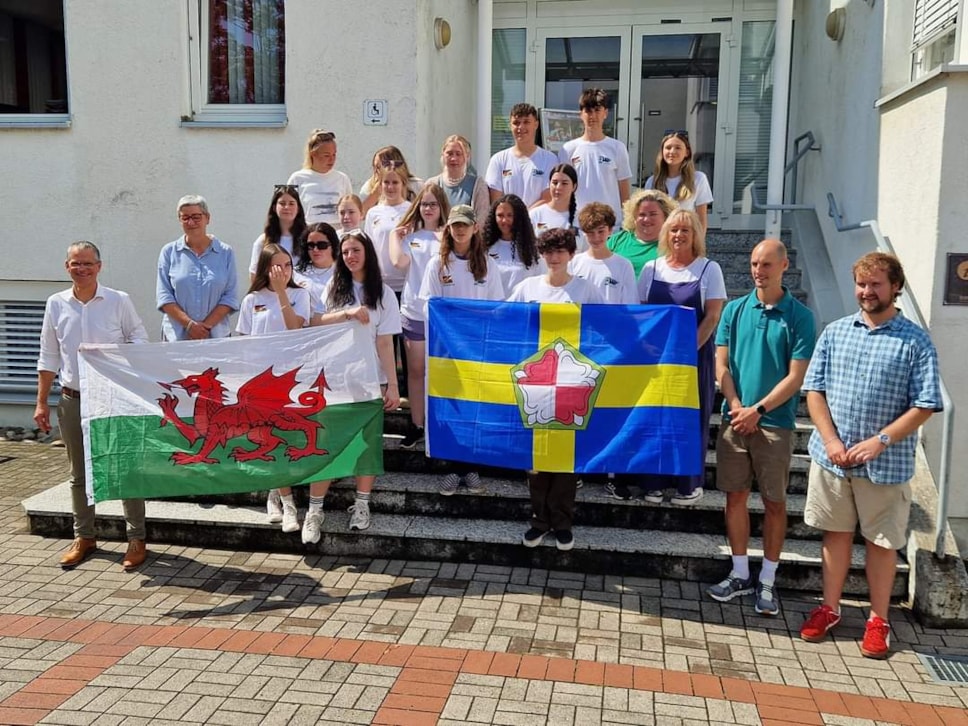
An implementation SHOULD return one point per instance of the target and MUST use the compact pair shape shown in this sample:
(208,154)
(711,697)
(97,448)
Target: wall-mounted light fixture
(441,33)
(836,24)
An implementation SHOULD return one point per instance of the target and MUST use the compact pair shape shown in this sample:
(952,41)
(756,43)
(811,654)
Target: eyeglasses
(681,133)
(191,217)
(317,245)
(83,265)
(390,163)
(286,189)
(428,205)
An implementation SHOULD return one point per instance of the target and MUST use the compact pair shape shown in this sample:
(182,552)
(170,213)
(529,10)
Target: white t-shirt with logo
(260,312)
(545,217)
(601,165)
(315,280)
(456,280)
(320,193)
(421,247)
(525,176)
(702,195)
(380,221)
(384,319)
(613,277)
(538,289)
(512,269)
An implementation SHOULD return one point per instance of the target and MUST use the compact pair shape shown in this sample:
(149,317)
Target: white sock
(316,504)
(768,573)
(741,566)
(287,500)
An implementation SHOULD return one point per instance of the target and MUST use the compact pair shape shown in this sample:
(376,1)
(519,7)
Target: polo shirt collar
(782,305)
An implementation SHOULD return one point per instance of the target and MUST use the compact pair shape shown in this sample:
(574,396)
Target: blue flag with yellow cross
(561,387)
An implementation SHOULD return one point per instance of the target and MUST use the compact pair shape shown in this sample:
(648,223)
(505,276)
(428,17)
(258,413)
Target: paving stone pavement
(223,637)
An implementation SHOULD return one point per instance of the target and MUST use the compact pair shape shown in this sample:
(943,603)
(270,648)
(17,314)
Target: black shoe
(533,537)
(564,539)
(618,491)
(414,437)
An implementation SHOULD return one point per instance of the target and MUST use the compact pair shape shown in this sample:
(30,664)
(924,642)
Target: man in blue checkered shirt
(872,382)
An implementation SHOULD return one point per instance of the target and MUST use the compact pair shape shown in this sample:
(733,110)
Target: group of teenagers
(544,228)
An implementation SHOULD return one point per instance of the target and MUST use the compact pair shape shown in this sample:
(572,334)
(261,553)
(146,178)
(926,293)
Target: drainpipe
(778,125)
(482,138)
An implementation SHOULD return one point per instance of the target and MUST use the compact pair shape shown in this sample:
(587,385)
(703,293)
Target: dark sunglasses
(321,137)
(681,133)
(317,245)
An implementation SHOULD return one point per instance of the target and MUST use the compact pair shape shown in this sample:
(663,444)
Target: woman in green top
(644,214)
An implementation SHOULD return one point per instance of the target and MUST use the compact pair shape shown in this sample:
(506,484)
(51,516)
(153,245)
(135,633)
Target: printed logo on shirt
(507,172)
(259,309)
(416,244)
(480,283)
(604,160)
(537,172)
(541,226)
(575,161)
(446,280)
(610,281)
(493,255)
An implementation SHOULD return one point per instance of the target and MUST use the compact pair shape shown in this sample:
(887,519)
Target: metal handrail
(909,305)
(799,153)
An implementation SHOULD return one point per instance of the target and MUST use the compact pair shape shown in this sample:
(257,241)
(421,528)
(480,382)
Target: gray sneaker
(449,484)
(767,601)
(361,515)
(474,484)
(311,526)
(729,588)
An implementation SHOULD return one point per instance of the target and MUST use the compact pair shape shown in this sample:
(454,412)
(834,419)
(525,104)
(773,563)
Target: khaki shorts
(765,454)
(837,504)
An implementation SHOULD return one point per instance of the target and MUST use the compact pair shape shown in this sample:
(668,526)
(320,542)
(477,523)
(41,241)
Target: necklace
(454,182)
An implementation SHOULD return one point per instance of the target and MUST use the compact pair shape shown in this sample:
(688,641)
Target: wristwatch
(761,410)
(884,439)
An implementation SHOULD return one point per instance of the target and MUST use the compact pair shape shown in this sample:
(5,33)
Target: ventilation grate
(950,669)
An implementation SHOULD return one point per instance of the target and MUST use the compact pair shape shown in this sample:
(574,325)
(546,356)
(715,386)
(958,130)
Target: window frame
(939,23)
(200,112)
(46,120)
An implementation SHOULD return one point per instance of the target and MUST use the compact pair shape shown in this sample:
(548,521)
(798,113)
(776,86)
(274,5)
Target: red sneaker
(820,621)
(877,638)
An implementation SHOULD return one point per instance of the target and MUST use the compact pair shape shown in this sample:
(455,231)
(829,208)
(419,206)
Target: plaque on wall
(956,281)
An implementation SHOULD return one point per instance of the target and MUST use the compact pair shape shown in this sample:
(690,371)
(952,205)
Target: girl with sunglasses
(412,245)
(275,303)
(285,221)
(315,265)
(357,293)
(320,184)
(676,175)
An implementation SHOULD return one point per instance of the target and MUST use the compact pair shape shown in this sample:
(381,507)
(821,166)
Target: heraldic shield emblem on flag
(556,388)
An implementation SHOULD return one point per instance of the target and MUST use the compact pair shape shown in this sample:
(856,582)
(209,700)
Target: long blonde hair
(317,137)
(687,172)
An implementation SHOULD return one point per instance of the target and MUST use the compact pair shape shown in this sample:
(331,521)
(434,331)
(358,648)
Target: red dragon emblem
(264,403)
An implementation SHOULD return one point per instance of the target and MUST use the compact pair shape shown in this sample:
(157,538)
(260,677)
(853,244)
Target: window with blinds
(755,109)
(933,38)
(20,323)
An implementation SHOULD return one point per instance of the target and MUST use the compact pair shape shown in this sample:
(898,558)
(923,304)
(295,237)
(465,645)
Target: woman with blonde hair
(642,218)
(676,175)
(320,184)
(682,275)
(387,157)
(459,182)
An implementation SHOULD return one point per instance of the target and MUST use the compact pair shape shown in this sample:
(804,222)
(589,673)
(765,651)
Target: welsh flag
(230,415)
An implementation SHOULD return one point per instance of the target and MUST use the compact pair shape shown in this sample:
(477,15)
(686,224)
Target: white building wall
(115,175)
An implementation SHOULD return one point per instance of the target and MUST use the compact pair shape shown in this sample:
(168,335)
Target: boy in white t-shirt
(523,169)
(612,275)
(602,163)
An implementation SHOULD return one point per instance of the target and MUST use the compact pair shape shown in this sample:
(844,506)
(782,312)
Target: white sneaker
(311,526)
(687,500)
(290,518)
(274,507)
(361,515)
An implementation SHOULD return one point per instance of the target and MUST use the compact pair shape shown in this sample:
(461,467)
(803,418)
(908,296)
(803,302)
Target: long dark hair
(476,255)
(260,281)
(570,172)
(522,233)
(341,288)
(273,228)
(305,261)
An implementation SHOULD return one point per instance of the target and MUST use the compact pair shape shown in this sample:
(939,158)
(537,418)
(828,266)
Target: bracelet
(190,324)
(832,438)
(283,307)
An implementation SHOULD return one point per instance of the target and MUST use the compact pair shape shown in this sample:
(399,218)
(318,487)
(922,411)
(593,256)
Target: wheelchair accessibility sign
(375,112)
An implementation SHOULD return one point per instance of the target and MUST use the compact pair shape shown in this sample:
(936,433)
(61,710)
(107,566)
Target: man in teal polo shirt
(763,347)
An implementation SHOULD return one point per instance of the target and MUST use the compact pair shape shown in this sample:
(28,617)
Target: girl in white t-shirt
(676,175)
(510,240)
(273,304)
(461,270)
(383,218)
(560,212)
(315,263)
(285,222)
(413,244)
(320,183)
(387,157)
(357,292)
(349,208)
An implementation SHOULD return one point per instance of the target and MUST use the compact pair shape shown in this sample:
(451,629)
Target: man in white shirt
(86,313)
(525,168)
(602,163)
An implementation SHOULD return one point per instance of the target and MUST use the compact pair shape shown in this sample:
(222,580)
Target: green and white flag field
(230,415)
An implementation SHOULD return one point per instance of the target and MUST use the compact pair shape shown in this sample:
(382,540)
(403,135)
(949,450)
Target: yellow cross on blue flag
(563,388)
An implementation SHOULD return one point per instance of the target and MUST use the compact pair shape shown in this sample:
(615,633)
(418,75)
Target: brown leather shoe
(81,548)
(135,556)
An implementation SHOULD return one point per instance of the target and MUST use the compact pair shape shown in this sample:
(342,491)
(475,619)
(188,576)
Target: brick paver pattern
(221,637)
